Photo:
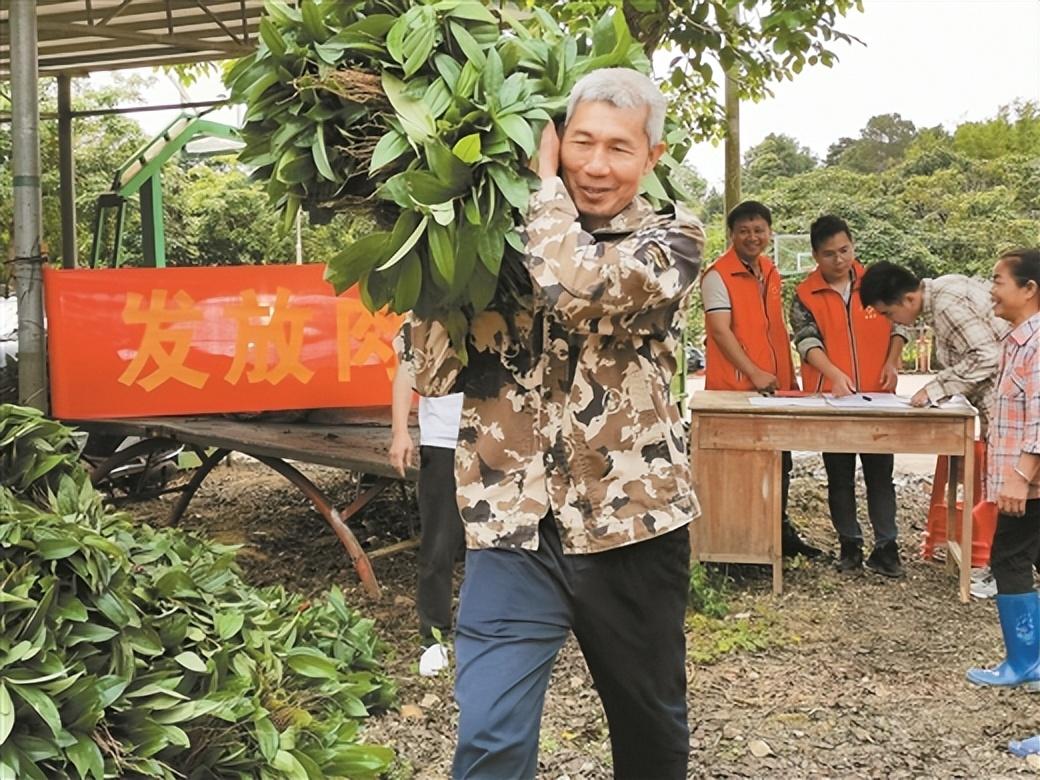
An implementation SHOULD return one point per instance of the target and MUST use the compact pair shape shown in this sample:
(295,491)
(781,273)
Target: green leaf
(271,37)
(442,251)
(294,167)
(395,39)
(320,155)
(345,269)
(416,119)
(42,704)
(311,663)
(438,98)
(492,77)
(476,12)
(491,246)
(408,243)
(116,609)
(228,624)
(652,186)
(191,661)
(510,184)
(409,284)
(391,146)
(481,287)
(53,549)
(419,44)
(286,763)
(443,213)
(448,167)
(267,737)
(467,148)
(448,68)
(473,51)
(519,131)
(313,24)
(6,713)
(427,189)
(86,756)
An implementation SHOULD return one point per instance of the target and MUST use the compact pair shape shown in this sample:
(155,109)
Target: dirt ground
(842,676)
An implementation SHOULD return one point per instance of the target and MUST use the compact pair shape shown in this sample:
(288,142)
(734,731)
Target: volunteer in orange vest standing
(846,348)
(748,346)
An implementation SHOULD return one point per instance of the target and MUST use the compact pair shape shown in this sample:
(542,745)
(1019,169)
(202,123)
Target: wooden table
(735,449)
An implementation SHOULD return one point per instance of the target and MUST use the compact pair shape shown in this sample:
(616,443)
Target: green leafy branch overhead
(431,111)
(758,43)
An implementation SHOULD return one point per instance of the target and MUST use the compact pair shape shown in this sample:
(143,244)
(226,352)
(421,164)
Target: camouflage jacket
(567,403)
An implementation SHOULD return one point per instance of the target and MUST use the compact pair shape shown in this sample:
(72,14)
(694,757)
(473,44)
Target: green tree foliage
(949,203)
(759,43)
(881,144)
(1015,130)
(778,156)
(100,143)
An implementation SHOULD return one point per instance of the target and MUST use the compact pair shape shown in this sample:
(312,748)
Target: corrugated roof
(80,36)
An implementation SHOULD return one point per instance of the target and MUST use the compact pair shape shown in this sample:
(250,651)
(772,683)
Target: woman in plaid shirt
(1014,471)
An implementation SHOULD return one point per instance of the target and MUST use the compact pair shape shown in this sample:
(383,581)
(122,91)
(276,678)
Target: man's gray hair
(623,88)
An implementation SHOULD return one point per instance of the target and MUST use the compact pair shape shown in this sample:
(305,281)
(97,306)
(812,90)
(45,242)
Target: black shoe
(791,544)
(851,558)
(885,560)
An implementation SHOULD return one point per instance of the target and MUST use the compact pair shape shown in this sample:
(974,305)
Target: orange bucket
(983,514)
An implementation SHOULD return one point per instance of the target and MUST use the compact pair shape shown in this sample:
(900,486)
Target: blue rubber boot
(1020,623)
(1025,747)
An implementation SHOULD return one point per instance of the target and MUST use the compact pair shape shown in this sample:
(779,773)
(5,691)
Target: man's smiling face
(604,153)
(751,237)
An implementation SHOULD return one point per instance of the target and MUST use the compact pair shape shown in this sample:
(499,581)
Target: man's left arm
(582,280)
(894,357)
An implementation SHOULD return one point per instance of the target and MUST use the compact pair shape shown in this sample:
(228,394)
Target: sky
(931,61)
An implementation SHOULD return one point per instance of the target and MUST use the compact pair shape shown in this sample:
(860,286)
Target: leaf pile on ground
(131,651)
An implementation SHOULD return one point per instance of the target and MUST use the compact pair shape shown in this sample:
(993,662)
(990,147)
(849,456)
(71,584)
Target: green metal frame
(142,174)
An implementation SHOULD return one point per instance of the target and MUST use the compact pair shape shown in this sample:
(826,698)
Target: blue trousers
(626,608)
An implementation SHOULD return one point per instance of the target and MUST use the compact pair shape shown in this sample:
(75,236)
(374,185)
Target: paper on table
(815,401)
(955,402)
(870,401)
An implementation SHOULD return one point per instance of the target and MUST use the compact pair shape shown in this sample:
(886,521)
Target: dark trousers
(881,495)
(626,608)
(442,539)
(1016,545)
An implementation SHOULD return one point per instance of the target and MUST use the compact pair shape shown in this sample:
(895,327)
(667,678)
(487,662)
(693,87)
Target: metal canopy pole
(66,172)
(28,223)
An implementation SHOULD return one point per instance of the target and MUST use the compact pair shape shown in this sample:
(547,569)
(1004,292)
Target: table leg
(966,514)
(775,510)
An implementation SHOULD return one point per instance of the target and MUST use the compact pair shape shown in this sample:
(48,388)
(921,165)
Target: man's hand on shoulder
(546,162)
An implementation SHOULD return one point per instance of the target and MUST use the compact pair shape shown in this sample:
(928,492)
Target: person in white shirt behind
(440,524)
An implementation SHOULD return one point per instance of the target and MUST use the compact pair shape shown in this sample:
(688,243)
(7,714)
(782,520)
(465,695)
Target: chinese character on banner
(144,342)
(163,343)
(266,331)
(363,337)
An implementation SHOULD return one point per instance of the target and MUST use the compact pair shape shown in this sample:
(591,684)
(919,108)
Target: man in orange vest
(748,346)
(846,348)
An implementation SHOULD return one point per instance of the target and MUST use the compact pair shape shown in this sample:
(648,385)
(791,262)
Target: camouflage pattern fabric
(567,404)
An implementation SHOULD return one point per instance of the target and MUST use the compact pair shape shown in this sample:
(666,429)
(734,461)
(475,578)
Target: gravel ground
(842,676)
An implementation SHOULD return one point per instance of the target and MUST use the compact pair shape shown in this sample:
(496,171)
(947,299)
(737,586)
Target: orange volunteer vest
(757,323)
(856,339)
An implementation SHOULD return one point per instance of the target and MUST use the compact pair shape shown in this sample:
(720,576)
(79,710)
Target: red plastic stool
(983,514)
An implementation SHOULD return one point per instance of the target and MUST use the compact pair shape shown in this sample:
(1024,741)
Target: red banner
(160,341)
